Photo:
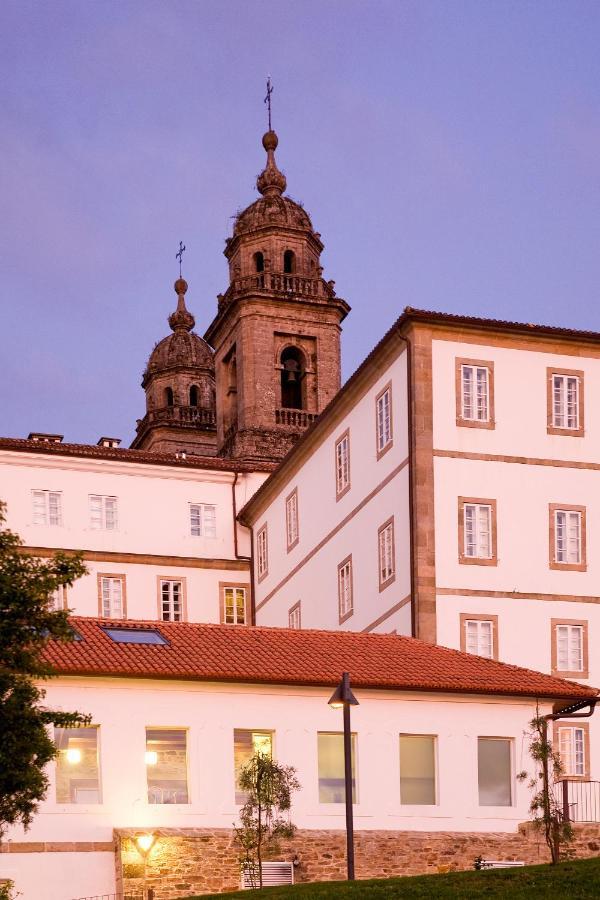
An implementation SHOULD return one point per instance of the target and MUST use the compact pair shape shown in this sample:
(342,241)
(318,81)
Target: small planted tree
(544,807)
(265,816)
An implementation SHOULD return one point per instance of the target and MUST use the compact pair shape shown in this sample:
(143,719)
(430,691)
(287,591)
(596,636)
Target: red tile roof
(282,656)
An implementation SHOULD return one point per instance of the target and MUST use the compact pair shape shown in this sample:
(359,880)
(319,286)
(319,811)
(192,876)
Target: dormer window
(259,262)
(289,262)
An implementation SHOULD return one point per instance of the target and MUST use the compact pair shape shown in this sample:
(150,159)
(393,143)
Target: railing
(138,896)
(579,800)
(184,415)
(297,418)
(275,281)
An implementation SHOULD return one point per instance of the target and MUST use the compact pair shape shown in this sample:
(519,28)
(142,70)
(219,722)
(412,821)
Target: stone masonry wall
(185,862)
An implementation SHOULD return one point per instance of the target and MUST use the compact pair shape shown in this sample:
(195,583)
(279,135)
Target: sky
(448,152)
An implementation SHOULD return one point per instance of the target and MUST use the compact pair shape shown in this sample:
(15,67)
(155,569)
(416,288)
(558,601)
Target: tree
(27,622)
(268,787)
(545,810)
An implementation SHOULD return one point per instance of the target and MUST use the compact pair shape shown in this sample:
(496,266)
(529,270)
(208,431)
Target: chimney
(42,438)
(109,442)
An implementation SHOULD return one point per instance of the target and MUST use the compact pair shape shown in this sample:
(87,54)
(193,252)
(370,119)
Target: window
(171,600)
(112,597)
(58,598)
(495,771)
(417,769)
(103,513)
(387,564)
(203,520)
(475,393)
(570,648)
(233,604)
(330,746)
(262,552)
(383,405)
(291,519)
(567,537)
(293,370)
(47,507)
(259,262)
(77,766)
(565,402)
(135,635)
(342,465)
(193,395)
(289,262)
(169,396)
(245,745)
(166,765)
(573,747)
(477,531)
(294,617)
(479,635)
(345,598)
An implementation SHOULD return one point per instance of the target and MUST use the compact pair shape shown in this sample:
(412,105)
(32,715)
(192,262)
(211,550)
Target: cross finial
(268,98)
(179,255)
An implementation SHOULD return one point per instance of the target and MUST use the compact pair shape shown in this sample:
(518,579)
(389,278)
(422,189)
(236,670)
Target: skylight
(135,635)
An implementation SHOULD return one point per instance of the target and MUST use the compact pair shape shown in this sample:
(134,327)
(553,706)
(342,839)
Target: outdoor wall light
(73,756)
(145,842)
(151,757)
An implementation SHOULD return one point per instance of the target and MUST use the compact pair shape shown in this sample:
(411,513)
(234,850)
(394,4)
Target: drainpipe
(412,525)
(249,559)
(570,712)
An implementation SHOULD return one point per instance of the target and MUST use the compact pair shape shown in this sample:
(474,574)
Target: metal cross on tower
(268,98)
(180,255)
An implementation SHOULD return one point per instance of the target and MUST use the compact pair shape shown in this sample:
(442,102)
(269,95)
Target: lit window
(569,648)
(478,531)
(384,420)
(77,766)
(494,771)
(386,554)
(294,617)
(103,513)
(135,636)
(291,519)
(571,747)
(342,464)
(565,402)
(567,536)
(417,769)
(234,605)
(203,520)
(345,588)
(166,765)
(262,552)
(330,746)
(171,600)
(475,393)
(245,745)
(112,592)
(479,637)
(47,508)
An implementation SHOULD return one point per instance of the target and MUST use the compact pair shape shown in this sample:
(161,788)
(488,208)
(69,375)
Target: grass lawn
(567,880)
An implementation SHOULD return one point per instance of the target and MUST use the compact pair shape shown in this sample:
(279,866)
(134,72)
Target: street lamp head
(144,843)
(343,696)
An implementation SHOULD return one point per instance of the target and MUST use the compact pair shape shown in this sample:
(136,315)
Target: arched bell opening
(194,395)
(169,401)
(289,262)
(293,370)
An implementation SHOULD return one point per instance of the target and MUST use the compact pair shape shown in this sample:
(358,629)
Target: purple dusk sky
(448,152)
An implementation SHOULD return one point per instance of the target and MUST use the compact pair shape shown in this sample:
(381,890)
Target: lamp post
(343,697)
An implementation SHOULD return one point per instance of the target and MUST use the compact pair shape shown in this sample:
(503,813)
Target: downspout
(249,559)
(412,525)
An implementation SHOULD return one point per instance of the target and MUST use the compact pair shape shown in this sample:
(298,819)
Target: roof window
(135,635)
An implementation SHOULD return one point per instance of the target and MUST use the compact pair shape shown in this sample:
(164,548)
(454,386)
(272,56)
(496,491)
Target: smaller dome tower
(180,390)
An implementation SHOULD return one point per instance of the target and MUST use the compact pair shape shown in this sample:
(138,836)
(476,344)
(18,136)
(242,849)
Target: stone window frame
(297,607)
(385,582)
(477,560)
(585,727)
(123,579)
(262,571)
(551,428)
(388,446)
(570,673)
(293,495)
(479,617)
(183,581)
(345,435)
(461,421)
(236,585)
(581,566)
(343,617)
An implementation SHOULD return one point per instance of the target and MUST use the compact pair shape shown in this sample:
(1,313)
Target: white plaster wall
(315,583)
(60,876)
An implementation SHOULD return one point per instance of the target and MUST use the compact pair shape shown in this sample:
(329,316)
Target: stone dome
(272,210)
(182,348)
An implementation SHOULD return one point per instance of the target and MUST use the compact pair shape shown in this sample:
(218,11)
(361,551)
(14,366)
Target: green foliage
(268,787)
(7,890)
(27,622)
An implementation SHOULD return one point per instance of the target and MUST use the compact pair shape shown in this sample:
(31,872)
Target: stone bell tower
(276,335)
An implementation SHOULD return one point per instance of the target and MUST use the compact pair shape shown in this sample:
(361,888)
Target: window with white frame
(234,605)
(342,464)
(262,552)
(565,402)
(571,747)
(291,519)
(475,393)
(47,507)
(567,536)
(171,600)
(477,531)
(57,597)
(112,596)
(345,598)
(479,637)
(384,419)
(103,513)
(294,617)
(386,554)
(203,520)
(569,648)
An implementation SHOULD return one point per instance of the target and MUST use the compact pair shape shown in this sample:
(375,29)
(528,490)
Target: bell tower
(276,335)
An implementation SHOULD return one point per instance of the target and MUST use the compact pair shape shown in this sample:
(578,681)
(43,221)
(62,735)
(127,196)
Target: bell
(291,375)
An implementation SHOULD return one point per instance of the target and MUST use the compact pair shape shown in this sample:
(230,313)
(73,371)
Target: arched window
(292,374)
(259,262)
(289,262)
(169,396)
(193,395)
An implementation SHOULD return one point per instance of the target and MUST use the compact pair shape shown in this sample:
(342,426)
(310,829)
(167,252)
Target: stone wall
(185,862)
